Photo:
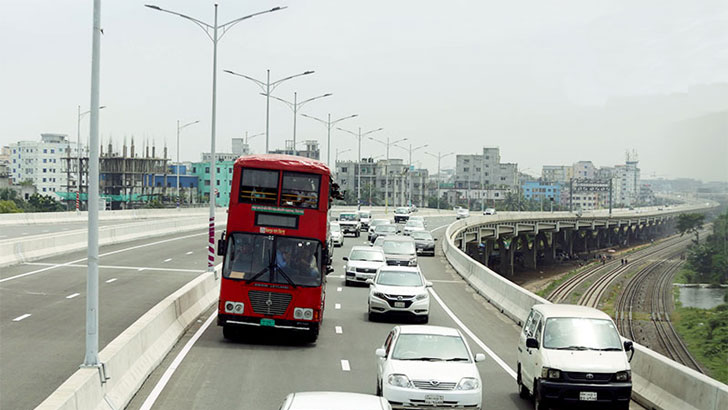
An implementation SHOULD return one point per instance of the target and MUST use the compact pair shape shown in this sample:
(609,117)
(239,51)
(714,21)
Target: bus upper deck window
(300,190)
(259,186)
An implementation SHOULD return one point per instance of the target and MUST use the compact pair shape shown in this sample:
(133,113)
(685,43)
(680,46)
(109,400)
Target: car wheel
(522,390)
(357,233)
(372,316)
(379,388)
(347,282)
(425,319)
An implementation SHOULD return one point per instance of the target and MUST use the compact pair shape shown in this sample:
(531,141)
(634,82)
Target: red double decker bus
(276,249)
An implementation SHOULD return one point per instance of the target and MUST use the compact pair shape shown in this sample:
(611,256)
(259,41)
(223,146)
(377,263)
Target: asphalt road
(42,307)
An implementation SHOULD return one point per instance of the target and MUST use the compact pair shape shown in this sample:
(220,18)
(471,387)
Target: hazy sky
(549,82)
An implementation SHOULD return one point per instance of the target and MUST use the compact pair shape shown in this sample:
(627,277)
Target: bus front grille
(269,303)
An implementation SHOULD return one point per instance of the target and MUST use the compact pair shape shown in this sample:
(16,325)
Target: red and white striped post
(78,199)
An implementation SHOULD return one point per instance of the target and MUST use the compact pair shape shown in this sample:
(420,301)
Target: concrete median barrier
(31,218)
(132,356)
(658,382)
(30,248)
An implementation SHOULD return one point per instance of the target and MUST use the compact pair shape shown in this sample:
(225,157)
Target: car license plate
(399,304)
(267,322)
(588,395)
(434,399)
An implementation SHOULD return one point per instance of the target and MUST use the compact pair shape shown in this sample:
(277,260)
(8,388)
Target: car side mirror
(380,352)
(479,357)
(531,343)
(629,345)
(370,282)
(428,284)
(434,239)
(346,258)
(329,269)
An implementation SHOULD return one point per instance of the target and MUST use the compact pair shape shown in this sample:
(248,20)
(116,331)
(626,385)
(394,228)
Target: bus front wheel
(311,335)
(228,332)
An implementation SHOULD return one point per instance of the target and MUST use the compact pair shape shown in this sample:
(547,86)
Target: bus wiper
(257,275)
(287,278)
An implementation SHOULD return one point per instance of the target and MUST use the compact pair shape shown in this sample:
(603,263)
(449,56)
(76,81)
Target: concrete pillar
(506,256)
(489,244)
(529,254)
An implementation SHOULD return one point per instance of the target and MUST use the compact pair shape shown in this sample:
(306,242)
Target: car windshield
(335,228)
(581,334)
(399,278)
(431,348)
(401,211)
(366,255)
(399,247)
(421,236)
(348,217)
(273,259)
(414,223)
(385,229)
(375,222)
(365,214)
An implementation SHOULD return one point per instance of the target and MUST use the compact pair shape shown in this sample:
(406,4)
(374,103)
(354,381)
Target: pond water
(701,297)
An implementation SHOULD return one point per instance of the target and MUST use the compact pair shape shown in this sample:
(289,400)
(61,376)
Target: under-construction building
(122,176)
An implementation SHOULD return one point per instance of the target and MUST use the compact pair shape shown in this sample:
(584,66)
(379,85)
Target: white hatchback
(363,263)
(399,290)
(428,366)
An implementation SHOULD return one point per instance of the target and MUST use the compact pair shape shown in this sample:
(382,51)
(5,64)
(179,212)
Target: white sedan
(329,400)
(399,290)
(462,213)
(428,366)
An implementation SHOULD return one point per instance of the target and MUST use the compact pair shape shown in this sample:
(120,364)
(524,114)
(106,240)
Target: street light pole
(340,152)
(215,38)
(409,174)
(439,157)
(177,168)
(386,169)
(328,123)
(267,87)
(78,151)
(295,105)
(358,161)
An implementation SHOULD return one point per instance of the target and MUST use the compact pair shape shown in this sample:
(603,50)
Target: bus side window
(259,186)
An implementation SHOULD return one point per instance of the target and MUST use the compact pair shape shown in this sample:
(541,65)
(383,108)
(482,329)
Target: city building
(311,151)
(240,147)
(223,181)
(483,177)
(627,178)
(556,173)
(42,162)
(219,156)
(396,180)
(583,170)
(542,191)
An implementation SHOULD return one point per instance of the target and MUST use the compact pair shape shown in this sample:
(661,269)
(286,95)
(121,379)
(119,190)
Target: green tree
(44,203)
(690,223)
(8,207)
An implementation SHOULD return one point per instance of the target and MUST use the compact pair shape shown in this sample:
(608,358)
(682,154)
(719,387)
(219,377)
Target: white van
(573,355)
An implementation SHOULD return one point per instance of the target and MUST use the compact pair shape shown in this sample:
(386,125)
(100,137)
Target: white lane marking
(439,227)
(111,280)
(167,260)
(339,330)
(140,269)
(337,276)
(337,306)
(188,253)
(19,318)
(24,233)
(338,289)
(345,365)
(446,281)
(467,331)
(102,255)
(72,296)
(118,267)
(149,402)
(46,230)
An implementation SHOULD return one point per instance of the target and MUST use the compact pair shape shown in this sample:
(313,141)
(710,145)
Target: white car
(462,213)
(573,355)
(489,211)
(413,225)
(364,218)
(401,214)
(428,366)
(337,237)
(350,223)
(363,263)
(330,400)
(373,224)
(400,290)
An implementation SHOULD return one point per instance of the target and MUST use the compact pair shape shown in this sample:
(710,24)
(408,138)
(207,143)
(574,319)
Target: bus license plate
(588,396)
(434,399)
(267,322)
(399,304)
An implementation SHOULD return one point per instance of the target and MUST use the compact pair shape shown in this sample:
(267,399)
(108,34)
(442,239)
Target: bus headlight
(302,313)
(234,307)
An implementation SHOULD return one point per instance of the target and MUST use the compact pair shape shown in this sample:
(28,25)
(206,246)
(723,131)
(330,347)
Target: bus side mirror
(329,269)
(531,343)
(221,245)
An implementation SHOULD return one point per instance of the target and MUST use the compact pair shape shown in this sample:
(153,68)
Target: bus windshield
(273,259)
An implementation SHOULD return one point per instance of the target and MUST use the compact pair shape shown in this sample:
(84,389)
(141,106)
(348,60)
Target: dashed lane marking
(188,253)
(339,330)
(138,268)
(338,289)
(472,335)
(72,296)
(167,260)
(337,306)
(345,365)
(19,318)
(111,280)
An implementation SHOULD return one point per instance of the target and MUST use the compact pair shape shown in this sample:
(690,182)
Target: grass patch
(554,284)
(705,332)
(684,275)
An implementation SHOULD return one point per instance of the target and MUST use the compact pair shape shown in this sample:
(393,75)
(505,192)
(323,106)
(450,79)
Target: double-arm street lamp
(358,160)
(215,37)
(78,150)
(268,88)
(178,130)
(386,168)
(336,158)
(439,157)
(328,123)
(409,172)
(294,106)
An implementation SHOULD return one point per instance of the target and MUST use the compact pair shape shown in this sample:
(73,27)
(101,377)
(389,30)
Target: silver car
(400,250)
(337,237)
(362,263)
(399,290)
